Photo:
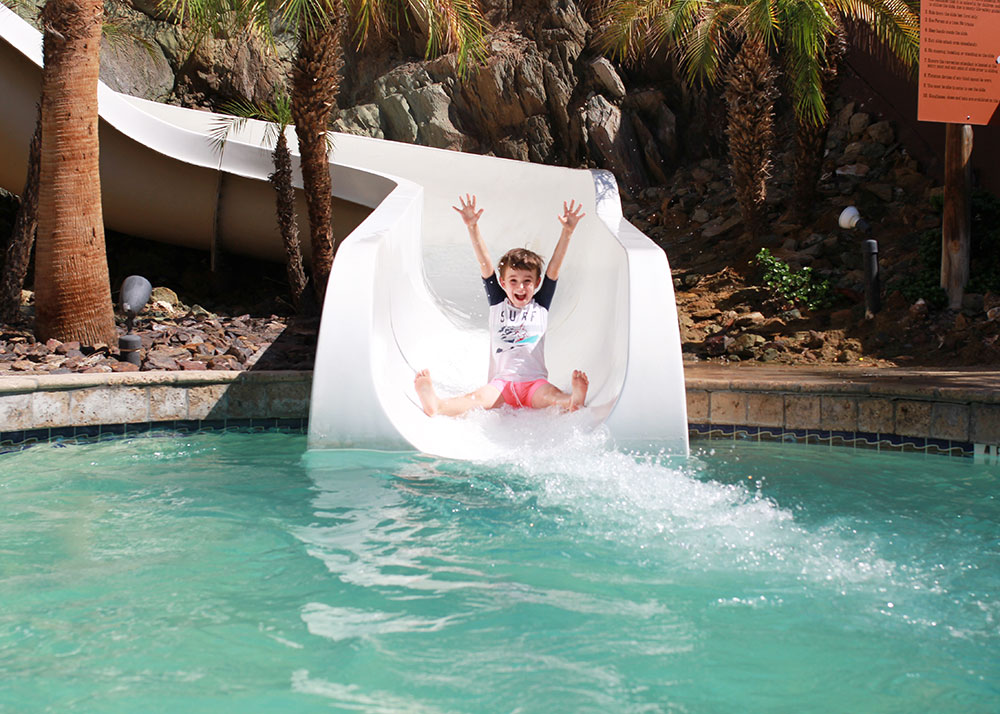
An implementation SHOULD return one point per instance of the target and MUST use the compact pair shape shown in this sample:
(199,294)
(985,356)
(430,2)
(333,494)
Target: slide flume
(405,292)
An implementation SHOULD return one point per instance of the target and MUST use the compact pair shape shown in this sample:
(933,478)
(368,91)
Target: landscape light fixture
(133,297)
(850,219)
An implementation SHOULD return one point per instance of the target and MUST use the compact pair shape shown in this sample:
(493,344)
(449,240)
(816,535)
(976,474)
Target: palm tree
(750,94)
(315,84)
(810,136)
(72,288)
(278,115)
(320,26)
(804,34)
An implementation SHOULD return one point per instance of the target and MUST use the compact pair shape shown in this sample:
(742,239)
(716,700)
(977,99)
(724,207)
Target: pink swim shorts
(518,394)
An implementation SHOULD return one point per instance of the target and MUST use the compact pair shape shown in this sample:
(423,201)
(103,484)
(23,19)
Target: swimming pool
(233,572)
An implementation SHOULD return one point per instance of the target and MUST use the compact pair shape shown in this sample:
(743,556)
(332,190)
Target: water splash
(667,507)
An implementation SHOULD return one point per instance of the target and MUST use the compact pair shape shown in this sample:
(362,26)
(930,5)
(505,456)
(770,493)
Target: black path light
(134,295)
(851,219)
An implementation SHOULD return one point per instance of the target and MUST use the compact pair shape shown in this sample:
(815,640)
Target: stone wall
(82,400)
(893,409)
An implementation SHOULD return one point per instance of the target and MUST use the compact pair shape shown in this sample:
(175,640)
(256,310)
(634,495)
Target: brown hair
(521,259)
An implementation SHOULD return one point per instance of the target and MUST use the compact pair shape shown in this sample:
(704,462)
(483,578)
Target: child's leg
(486,397)
(548,395)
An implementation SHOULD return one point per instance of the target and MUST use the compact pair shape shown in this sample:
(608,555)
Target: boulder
(750,318)
(164,295)
(399,122)
(218,70)
(881,132)
(855,170)
(744,344)
(136,67)
(153,9)
(652,105)
(613,142)
(362,120)
(417,108)
(858,122)
(718,226)
(606,78)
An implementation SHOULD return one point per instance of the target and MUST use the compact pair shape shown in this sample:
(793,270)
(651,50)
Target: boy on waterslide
(518,321)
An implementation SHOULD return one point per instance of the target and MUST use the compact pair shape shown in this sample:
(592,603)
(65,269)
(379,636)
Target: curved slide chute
(405,292)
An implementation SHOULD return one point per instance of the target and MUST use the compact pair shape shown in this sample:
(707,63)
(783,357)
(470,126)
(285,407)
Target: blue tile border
(11,441)
(847,439)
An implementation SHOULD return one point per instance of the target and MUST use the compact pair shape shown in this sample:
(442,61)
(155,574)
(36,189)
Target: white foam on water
(665,505)
(345,623)
(352,697)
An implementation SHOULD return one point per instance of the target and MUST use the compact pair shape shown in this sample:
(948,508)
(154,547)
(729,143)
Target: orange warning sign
(959,61)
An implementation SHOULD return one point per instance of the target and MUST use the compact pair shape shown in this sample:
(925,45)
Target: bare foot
(580,386)
(425,391)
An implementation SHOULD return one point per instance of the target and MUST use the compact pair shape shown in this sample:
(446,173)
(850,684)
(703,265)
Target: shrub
(802,287)
(984,258)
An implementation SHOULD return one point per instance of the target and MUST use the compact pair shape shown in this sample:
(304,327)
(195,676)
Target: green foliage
(277,113)
(802,287)
(926,283)
(449,25)
(704,34)
(984,259)
(984,272)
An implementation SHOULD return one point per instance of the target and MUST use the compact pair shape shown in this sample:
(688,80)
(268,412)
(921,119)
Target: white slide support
(405,292)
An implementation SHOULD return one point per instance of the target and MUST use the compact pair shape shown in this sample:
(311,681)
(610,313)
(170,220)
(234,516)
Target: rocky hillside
(726,311)
(546,95)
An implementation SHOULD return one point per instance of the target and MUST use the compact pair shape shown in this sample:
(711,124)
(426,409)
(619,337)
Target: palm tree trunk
(22,239)
(72,290)
(281,180)
(810,137)
(750,94)
(315,82)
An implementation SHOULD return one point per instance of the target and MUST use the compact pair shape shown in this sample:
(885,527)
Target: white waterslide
(405,292)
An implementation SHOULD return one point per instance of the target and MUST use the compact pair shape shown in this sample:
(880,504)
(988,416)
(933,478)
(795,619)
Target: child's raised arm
(570,217)
(471,216)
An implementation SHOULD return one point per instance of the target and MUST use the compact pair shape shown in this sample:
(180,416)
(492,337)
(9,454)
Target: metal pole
(869,253)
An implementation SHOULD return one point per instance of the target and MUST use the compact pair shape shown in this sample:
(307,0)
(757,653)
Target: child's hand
(571,215)
(468,210)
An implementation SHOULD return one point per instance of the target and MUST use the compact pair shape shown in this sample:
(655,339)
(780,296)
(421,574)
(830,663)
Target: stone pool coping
(66,404)
(948,411)
(954,411)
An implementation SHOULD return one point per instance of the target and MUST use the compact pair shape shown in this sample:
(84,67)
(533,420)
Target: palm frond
(238,111)
(120,37)
(308,16)
(806,27)
(670,25)
(457,26)
(706,45)
(277,113)
(373,17)
(894,23)
(761,19)
(225,18)
(454,25)
(628,29)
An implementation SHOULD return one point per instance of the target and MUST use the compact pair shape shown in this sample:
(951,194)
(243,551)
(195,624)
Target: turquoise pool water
(233,573)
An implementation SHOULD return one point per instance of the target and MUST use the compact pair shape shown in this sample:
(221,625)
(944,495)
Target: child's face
(519,285)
